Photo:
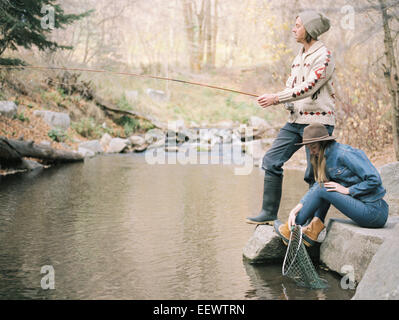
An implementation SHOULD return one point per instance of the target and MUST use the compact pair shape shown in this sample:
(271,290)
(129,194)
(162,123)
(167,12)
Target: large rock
(8,109)
(137,141)
(105,141)
(180,136)
(264,246)
(156,145)
(258,123)
(260,127)
(187,135)
(86,152)
(117,145)
(154,135)
(157,95)
(226,135)
(248,133)
(54,119)
(390,178)
(347,244)
(93,145)
(381,280)
(205,136)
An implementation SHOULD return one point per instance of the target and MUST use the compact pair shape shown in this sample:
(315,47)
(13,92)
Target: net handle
(293,229)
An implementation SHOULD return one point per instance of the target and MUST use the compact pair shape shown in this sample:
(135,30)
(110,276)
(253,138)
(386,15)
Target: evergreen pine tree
(21,25)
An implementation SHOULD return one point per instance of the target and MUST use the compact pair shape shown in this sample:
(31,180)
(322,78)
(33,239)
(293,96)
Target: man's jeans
(365,214)
(284,147)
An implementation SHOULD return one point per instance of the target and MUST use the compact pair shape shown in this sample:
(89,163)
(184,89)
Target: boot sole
(307,244)
(270,223)
(307,241)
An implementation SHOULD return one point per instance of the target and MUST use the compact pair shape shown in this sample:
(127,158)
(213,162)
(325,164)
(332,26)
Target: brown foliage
(363,111)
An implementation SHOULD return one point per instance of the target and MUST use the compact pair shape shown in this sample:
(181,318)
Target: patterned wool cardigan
(309,93)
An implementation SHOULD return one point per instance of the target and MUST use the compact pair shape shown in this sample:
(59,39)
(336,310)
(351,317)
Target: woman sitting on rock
(345,178)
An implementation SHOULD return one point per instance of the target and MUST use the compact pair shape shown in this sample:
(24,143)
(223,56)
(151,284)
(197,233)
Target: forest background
(244,45)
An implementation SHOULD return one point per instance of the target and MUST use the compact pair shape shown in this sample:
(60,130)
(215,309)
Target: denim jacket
(351,168)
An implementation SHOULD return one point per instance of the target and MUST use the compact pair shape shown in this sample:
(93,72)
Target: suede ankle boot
(311,232)
(283,231)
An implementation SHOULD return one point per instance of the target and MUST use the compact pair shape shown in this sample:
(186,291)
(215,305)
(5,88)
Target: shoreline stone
(8,109)
(54,119)
(92,145)
(87,153)
(390,177)
(347,244)
(104,141)
(265,246)
(377,283)
(370,253)
(117,145)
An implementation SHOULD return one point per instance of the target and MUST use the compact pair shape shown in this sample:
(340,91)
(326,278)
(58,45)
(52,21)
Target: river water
(116,227)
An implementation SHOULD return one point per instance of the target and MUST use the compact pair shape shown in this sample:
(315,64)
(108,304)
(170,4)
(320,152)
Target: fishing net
(298,265)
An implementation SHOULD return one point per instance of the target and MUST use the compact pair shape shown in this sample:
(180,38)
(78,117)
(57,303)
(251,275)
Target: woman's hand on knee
(294,212)
(333,186)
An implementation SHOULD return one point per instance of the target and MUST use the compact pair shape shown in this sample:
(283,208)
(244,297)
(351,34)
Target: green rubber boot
(271,200)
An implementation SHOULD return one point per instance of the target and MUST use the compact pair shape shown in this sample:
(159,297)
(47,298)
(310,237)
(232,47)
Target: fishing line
(129,74)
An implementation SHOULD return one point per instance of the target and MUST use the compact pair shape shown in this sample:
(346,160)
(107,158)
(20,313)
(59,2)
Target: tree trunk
(209,33)
(201,21)
(86,51)
(214,33)
(12,153)
(391,74)
(197,32)
(8,155)
(190,33)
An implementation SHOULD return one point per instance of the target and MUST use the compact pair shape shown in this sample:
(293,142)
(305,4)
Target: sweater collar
(316,46)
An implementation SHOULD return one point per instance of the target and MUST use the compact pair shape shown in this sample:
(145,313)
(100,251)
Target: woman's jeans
(365,214)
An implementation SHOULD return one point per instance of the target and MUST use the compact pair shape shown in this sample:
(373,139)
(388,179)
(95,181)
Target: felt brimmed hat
(315,132)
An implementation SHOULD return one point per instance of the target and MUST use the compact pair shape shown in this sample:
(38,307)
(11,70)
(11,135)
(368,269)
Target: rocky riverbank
(253,139)
(52,129)
(362,255)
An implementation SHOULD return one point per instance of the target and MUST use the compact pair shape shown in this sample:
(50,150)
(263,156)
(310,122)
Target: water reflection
(118,228)
(268,283)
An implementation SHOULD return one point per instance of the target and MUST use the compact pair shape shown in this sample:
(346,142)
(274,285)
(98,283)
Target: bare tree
(391,68)
(201,32)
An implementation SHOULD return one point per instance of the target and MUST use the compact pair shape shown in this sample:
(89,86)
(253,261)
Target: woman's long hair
(319,163)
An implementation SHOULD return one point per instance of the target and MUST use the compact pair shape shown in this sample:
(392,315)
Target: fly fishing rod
(129,74)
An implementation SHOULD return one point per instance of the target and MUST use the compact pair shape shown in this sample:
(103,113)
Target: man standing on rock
(309,97)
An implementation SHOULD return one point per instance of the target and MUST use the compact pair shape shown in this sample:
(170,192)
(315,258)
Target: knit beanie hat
(315,23)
